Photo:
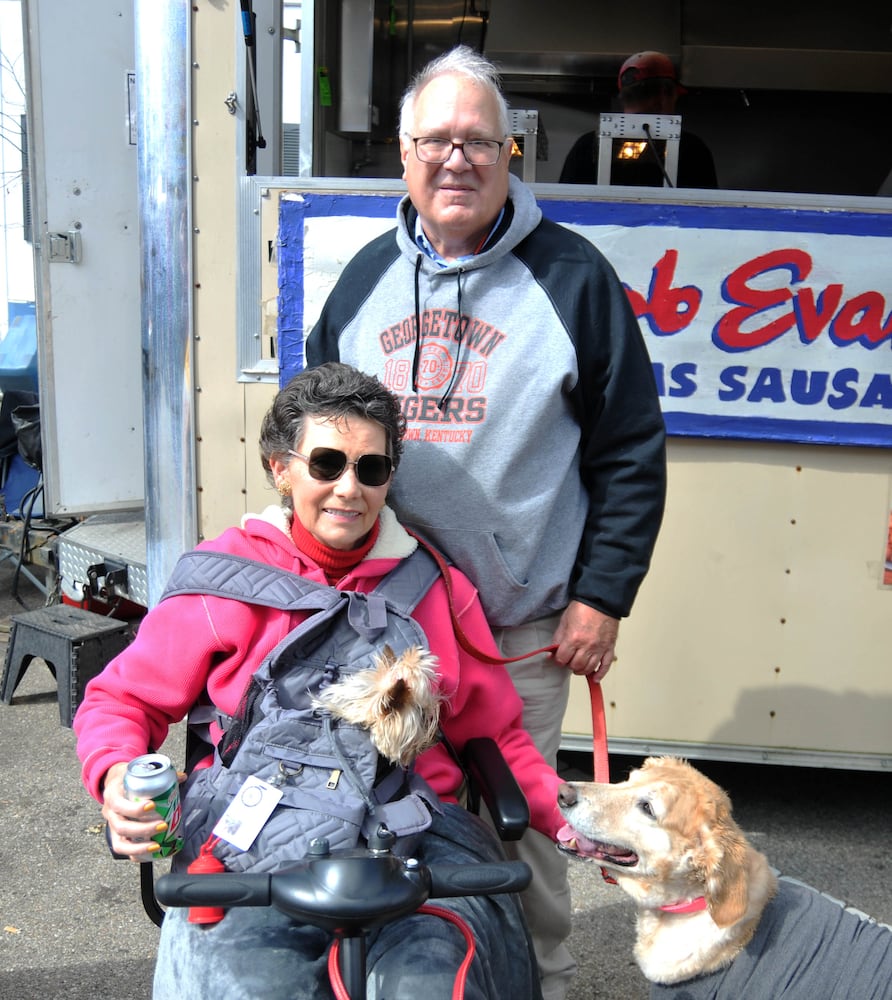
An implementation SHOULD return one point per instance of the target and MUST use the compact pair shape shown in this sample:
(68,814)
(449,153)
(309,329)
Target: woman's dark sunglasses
(328,465)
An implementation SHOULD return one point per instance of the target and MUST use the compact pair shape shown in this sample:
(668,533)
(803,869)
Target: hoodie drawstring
(461,336)
(416,360)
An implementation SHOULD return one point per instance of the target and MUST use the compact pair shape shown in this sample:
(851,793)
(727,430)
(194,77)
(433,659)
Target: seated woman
(334,530)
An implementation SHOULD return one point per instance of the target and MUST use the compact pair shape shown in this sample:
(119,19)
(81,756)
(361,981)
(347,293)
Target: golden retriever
(708,903)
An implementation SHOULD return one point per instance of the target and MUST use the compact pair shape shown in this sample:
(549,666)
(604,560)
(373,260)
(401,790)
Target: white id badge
(249,810)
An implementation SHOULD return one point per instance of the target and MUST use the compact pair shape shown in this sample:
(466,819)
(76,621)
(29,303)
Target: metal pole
(162,48)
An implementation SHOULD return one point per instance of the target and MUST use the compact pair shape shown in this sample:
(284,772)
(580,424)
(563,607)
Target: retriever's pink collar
(685,905)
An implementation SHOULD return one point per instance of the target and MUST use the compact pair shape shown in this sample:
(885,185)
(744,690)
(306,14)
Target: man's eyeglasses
(328,465)
(477,152)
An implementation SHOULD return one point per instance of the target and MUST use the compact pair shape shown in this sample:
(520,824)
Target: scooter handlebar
(213,890)
(484,879)
(330,891)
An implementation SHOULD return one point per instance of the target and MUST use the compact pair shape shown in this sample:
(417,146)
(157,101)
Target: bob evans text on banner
(761,323)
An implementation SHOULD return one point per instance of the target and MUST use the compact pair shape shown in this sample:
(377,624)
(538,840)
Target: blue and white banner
(764,323)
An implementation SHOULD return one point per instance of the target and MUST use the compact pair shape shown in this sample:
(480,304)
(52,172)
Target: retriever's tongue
(567,835)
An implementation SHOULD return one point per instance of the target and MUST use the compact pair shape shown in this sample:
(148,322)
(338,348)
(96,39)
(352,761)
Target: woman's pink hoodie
(190,644)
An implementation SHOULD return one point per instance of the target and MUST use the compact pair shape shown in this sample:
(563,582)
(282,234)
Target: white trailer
(762,630)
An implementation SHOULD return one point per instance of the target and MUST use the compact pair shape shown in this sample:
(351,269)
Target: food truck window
(791,97)
(819,142)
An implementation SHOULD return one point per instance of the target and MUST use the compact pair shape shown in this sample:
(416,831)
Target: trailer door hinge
(63,248)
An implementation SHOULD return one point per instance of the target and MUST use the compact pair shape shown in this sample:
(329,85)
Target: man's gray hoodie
(535,451)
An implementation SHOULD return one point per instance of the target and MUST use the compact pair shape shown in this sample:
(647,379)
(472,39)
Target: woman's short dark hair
(331,391)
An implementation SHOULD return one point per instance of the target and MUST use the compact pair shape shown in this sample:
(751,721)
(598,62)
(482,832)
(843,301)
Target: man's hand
(586,640)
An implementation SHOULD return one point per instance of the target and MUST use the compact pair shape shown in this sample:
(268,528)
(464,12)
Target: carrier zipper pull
(278,780)
(333,779)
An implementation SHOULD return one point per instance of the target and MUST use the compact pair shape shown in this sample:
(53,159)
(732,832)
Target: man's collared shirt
(425,246)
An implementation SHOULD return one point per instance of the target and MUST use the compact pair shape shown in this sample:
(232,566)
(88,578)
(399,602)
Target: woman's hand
(131,825)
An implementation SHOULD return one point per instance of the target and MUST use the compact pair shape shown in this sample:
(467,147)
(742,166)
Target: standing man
(535,448)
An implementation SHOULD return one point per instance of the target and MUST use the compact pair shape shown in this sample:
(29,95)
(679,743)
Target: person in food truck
(535,451)
(648,84)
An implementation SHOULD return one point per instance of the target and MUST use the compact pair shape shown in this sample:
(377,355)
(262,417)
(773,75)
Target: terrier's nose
(566,795)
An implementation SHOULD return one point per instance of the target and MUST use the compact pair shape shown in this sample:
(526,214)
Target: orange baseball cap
(647,65)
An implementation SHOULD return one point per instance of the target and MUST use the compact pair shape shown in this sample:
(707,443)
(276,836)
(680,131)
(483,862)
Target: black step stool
(74,643)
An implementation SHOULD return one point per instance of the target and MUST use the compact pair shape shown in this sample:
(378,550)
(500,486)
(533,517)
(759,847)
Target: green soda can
(154,777)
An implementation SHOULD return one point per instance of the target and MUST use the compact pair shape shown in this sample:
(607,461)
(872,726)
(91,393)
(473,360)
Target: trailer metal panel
(86,242)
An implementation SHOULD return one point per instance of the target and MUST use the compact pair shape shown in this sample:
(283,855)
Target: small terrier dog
(396,700)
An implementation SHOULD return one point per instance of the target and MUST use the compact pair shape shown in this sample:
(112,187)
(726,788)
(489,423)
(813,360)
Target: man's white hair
(460,61)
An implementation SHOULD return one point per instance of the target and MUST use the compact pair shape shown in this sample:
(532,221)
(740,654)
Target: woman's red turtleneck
(335,563)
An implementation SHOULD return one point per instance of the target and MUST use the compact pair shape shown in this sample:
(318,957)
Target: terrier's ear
(386,658)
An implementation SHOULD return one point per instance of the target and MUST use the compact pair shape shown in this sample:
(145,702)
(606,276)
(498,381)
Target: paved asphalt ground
(72,926)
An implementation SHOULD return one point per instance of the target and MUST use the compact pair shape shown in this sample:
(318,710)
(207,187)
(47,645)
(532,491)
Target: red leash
(599,721)
(458,989)
(463,640)
(599,733)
